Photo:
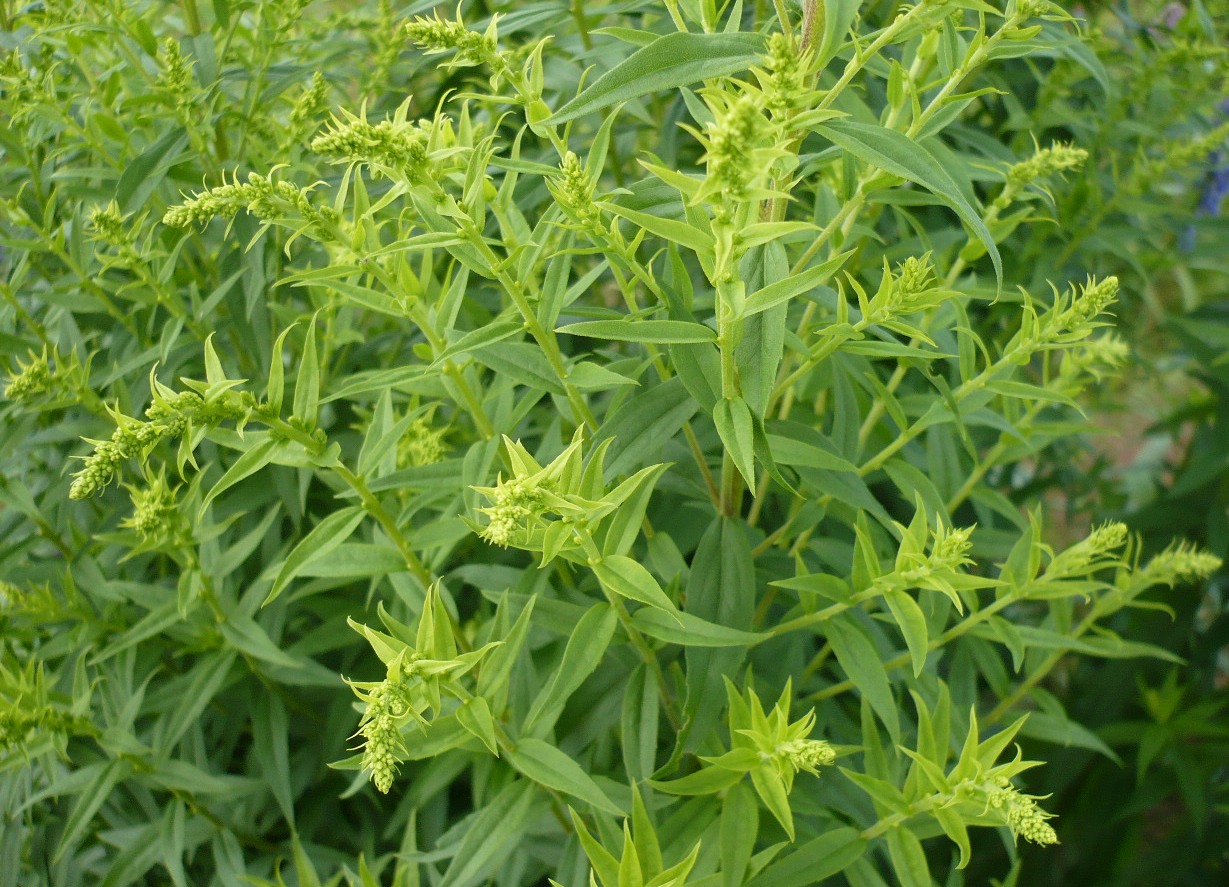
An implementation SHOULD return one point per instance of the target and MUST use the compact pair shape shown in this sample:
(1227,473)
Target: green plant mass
(640,444)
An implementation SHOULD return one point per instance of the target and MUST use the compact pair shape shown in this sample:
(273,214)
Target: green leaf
(276,388)
(908,858)
(620,532)
(247,637)
(643,424)
(895,152)
(148,170)
(548,766)
(271,742)
(307,382)
(737,432)
(522,363)
(666,332)
(819,858)
(667,63)
(695,239)
(638,721)
(707,781)
(861,662)
(721,591)
(912,622)
(492,836)
(254,459)
(487,334)
(953,826)
(475,716)
(324,537)
(740,820)
(689,630)
(793,286)
(88,802)
(629,579)
(584,652)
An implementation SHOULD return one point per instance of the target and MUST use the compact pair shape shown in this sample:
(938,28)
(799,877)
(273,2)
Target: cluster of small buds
(915,277)
(732,138)
(1092,553)
(422,444)
(18,721)
(107,223)
(383,745)
(1190,52)
(169,417)
(176,76)
(1182,154)
(1022,815)
(9,594)
(395,144)
(1181,563)
(1106,538)
(260,195)
(807,754)
(573,190)
(1095,357)
(514,503)
(437,34)
(155,511)
(1028,9)
(784,79)
(950,548)
(312,102)
(1058,158)
(1094,297)
(31,379)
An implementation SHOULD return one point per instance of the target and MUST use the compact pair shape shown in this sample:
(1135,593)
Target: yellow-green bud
(31,379)
(1022,815)
(807,754)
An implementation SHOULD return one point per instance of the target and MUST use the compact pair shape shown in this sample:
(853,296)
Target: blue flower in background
(1218,178)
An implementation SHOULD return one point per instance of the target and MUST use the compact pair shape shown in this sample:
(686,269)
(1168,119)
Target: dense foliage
(643,445)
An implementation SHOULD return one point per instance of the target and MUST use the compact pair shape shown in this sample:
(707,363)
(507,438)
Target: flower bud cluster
(807,754)
(395,144)
(784,78)
(573,190)
(1180,154)
(31,379)
(176,76)
(1094,298)
(383,745)
(18,721)
(311,103)
(438,34)
(732,138)
(950,548)
(260,195)
(155,510)
(170,416)
(1096,357)
(1181,563)
(422,444)
(1058,158)
(107,223)
(1098,550)
(915,278)
(515,503)
(1022,815)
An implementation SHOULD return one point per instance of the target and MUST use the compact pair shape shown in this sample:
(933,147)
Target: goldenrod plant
(529,443)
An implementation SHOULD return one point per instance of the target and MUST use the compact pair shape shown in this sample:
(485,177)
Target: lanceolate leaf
(895,152)
(665,64)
